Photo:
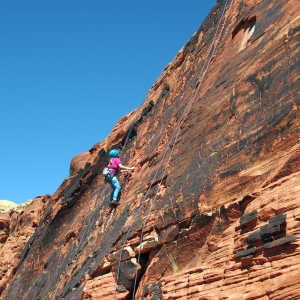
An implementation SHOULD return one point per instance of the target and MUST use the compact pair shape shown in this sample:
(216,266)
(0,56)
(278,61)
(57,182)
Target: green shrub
(173,263)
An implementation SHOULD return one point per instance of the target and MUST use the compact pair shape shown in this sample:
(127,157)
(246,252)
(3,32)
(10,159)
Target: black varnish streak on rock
(266,234)
(164,95)
(246,219)
(278,220)
(153,291)
(273,244)
(269,230)
(132,131)
(253,237)
(169,234)
(146,111)
(245,252)
(75,293)
(281,241)
(84,179)
(127,273)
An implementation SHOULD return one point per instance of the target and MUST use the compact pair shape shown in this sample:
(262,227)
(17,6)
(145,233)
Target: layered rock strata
(211,210)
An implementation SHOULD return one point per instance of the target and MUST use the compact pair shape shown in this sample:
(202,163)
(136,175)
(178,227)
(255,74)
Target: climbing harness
(109,174)
(172,144)
(105,171)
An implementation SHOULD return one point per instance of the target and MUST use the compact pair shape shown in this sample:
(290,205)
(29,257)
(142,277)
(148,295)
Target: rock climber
(114,167)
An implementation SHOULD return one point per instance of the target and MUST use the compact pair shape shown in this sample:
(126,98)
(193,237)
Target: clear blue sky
(69,70)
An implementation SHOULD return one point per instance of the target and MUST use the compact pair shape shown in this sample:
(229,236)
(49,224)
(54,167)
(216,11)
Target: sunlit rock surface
(17,224)
(6,205)
(212,209)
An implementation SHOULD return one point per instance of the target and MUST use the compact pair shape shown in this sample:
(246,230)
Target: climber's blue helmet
(113,153)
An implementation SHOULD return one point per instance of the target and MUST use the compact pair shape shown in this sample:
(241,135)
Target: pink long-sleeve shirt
(115,164)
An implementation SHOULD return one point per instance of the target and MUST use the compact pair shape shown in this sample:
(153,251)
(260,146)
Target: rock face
(212,208)
(17,224)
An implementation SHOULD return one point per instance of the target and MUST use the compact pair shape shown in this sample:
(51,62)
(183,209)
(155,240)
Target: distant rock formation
(212,209)
(6,205)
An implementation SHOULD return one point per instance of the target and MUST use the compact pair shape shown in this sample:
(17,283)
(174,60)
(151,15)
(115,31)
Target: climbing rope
(123,147)
(97,204)
(199,83)
(175,134)
(76,250)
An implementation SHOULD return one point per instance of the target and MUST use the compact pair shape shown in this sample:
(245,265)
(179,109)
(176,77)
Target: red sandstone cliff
(212,208)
